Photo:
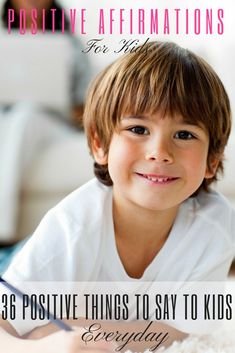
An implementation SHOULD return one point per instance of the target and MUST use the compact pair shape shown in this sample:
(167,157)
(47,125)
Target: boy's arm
(10,339)
(59,342)
(7,327)
(171,333)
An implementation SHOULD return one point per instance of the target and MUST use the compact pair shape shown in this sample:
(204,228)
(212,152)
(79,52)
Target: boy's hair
(158,77)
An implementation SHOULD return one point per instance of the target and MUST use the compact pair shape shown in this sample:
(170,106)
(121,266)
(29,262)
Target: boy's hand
(69,342)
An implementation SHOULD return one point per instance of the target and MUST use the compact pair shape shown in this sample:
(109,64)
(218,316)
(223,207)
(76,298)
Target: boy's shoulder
(214,212)
(85,202)
(69,234)
(213,202)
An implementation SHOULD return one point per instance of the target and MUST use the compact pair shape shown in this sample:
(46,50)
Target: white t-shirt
(75,242)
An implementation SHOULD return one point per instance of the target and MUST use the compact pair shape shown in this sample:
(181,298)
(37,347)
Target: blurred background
(43,82)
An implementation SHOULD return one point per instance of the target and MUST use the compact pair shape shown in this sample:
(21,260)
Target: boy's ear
(98,151)
(212,166)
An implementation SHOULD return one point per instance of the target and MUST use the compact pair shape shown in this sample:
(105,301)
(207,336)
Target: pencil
(51,318)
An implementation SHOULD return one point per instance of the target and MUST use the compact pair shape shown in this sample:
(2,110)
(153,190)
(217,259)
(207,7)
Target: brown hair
(158,77)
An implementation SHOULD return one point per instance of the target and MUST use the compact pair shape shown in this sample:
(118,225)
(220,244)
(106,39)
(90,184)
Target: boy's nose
(160,154)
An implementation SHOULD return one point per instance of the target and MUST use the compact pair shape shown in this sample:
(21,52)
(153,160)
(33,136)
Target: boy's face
(156,163)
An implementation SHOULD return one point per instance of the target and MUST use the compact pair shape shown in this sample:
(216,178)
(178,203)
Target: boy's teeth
(160,180)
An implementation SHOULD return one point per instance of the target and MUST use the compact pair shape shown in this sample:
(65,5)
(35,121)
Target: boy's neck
(134,223)
(140,234)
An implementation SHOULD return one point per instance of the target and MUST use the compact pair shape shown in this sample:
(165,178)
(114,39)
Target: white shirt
(77,236)
(75,242)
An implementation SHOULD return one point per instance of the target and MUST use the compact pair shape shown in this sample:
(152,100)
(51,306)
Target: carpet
(221,341)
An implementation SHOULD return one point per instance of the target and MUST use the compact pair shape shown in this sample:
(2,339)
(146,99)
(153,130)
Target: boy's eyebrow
(140,117)
(199,125)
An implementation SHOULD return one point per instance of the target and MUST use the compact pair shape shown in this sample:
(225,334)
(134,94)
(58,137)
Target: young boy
(157,123)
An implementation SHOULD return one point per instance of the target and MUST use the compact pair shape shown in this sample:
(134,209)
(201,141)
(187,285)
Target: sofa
(55,172)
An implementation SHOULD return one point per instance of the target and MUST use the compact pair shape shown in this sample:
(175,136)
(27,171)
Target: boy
(157,124)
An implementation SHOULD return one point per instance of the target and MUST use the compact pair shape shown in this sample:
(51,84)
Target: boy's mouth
(163,179)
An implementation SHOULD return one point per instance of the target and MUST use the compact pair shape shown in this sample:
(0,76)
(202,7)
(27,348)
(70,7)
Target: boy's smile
(156,163)
(158,179)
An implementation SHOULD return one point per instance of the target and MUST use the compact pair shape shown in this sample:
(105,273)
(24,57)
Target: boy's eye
(139,130)
(184,135)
